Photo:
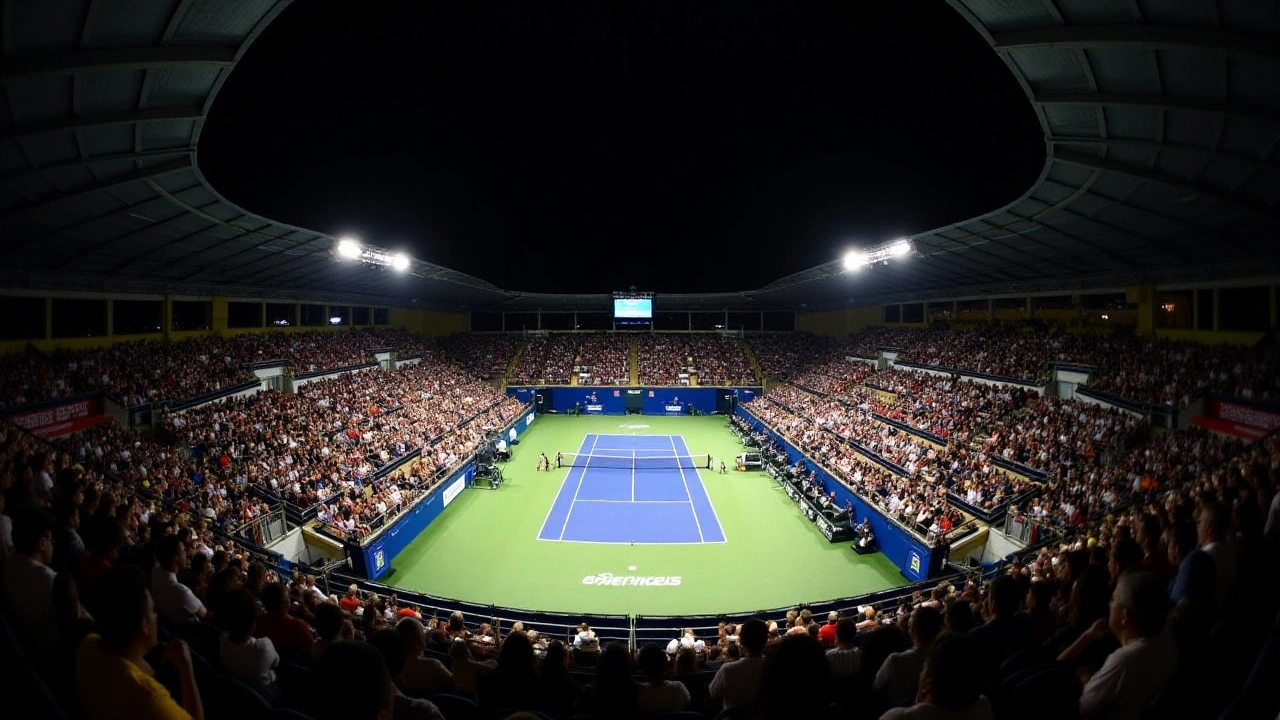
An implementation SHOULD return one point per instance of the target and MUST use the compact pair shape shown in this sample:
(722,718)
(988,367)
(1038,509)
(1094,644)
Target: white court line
(633,476)
(557,497)
(688,494)
(638,542)
(705,491)
(575,490)
(639,502)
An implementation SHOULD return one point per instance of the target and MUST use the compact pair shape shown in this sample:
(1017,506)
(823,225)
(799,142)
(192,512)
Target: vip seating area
(1160,557)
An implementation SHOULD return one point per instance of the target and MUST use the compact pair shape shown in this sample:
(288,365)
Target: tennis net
(632,462)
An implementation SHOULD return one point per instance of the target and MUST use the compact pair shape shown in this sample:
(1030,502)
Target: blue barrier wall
(378,554)
(915,560)
(608,400)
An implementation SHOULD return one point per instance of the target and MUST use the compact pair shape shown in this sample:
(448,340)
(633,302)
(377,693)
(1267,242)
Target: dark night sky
(589,146)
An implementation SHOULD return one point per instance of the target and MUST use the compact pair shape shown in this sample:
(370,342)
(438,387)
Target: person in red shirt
(291,636)
(827,633)
(351,601)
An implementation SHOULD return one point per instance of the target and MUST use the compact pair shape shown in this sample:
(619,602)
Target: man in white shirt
(735,683)
(1132,675)
(1213,526)
(174,601)
(28,579)
(899,676)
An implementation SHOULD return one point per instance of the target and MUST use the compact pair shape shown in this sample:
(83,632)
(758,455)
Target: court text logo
(611,580)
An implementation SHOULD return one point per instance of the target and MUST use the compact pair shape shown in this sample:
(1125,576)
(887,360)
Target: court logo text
(611,580)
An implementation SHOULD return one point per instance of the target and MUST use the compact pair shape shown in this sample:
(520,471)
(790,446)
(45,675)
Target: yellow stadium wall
(417,321)
(840,323)
(430,322)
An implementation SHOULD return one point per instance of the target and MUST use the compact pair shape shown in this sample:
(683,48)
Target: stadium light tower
(857,259)
(349,248)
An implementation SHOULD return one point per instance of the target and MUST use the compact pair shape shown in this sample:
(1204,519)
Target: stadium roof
(1161,122)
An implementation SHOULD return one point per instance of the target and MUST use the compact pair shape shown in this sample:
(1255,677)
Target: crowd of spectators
(839,376)
(1158,590)
(606,358)
(482,355)
(945,405)
(546,359)
(1053,435)
(323,444)
(916,501)
(1159,372)
(147,371)
(1156,604)
(663,357)
(784,356)
(720,360)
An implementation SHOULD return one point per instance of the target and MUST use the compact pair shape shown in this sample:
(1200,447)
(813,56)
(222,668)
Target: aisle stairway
(511,366)
(755,364)
(634,364)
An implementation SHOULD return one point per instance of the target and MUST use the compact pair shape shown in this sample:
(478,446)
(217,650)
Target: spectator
(176,602)
(899,676)
(291,636)
(388,644)
(845,659)
(360,670)
(28,579)
(950,685)
(611,692)
(253,660)
(735,683)
(1147,657)
(657,694)
(113,678)
(422,676)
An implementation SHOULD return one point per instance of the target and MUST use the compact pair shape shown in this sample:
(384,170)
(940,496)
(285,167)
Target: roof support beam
(1137,37)
(145,173)
(103,120)
(1138,173)
(115,59)
(1162,102)
(23,175)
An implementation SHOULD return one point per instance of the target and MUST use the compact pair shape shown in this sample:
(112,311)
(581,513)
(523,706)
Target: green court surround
(484,548)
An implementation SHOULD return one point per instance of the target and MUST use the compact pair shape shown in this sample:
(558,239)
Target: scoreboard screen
(633,308)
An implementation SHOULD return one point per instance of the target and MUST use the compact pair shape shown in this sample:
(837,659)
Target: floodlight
(854,260)
(349,248)
(400,262)
(900,248)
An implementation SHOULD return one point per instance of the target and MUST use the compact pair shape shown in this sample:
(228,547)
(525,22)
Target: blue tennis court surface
(655,504)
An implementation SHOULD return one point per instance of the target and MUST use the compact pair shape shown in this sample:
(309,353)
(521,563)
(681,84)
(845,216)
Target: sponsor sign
(379,559)
(674,408)
(633,426)
(607,579)
(1242,414)
(915,562)
(1248,432)
(617,393)
(594,408)
(529,419)
(54,420)
(455,489)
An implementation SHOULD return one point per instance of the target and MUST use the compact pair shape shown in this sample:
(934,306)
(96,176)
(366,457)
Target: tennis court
(487,549)
(633,489)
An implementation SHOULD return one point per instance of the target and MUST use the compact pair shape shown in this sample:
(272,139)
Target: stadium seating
(1109,485)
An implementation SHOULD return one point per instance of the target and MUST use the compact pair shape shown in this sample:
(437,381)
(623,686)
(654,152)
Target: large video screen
(633,308)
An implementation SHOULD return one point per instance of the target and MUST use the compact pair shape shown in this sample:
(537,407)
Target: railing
(264,529)
(634,631)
